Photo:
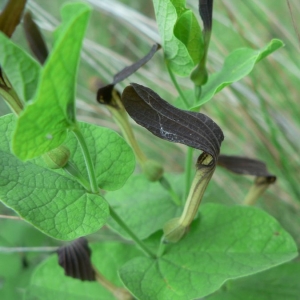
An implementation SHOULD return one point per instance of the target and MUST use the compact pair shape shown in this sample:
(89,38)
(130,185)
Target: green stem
(161,248)
(72,170)
(9,94)
(95,189)
(145,249)
(257,189)
(88,160)
(197,189)
(119,293)
(166,185)
(179,90)
(121,118)
(188,171)
(15,106)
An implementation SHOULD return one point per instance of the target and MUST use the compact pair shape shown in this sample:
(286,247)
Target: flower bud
(173,231)
(200,75)
(153,170)
(57,158)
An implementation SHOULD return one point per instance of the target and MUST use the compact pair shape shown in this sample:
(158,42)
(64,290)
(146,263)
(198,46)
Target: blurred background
(259,115)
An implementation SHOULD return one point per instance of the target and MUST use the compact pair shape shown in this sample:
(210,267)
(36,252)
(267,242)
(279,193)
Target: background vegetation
(259,115)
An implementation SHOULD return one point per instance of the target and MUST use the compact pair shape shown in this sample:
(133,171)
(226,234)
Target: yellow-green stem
(118,292)
(179,90)
(9,94)
(175,229)
(72,170)
(198,187)
(256,190)
(121,118)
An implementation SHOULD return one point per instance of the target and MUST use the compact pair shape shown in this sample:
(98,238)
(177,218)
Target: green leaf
(51,201)
(278,283)
(144,212)
(21,69)
(188,31)
(176,53)
(9,272)
(236,66)
(17,267)
(225,243)
(44,123)
(49,281)
(113,159)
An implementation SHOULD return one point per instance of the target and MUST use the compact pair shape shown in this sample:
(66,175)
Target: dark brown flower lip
(246,166)
(170,123)
(75,259)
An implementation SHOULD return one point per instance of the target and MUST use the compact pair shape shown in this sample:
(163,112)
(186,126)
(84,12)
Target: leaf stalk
(9,94)
(257,189)
(88,160)
(178,88)
(72,170)
(143,247)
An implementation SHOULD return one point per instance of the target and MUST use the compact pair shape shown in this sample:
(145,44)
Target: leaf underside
(51,200)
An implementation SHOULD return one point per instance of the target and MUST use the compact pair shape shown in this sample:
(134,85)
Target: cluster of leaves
(69,210)
(223,243)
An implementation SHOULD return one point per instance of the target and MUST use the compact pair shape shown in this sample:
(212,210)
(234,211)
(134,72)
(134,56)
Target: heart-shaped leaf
(51,201)
(113,159)
(44,123)
(225,243)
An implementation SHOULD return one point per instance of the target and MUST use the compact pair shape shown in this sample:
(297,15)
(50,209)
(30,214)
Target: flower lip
(170,123)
